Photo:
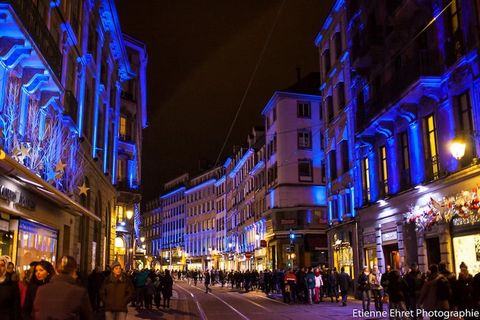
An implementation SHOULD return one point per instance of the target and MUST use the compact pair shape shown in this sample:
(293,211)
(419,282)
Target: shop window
(36,242)
(371,257)
(467,249)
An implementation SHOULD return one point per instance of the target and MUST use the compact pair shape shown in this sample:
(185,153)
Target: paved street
(191,302)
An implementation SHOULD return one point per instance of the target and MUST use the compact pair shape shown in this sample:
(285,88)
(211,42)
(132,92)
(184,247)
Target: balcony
(124,185)
(36,27)
(426,65)
(70,105)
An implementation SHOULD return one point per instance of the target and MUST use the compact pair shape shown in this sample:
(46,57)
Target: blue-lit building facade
(62,66)
(296,215)
(415,82)
(338,116)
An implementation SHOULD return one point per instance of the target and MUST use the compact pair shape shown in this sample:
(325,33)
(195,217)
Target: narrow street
(190,302)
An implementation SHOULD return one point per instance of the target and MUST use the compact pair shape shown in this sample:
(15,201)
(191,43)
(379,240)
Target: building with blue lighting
(416,84)
(62,68)
(294,162)
(338,115)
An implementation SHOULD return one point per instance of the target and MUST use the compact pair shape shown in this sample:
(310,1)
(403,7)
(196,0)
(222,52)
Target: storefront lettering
(473,219)
(22,200)
(387,236)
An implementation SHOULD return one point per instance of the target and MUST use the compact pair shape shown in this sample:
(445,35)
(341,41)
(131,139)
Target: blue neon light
(318,39)
(272,198)
(240,163)
(327,23)
(172,193)
(220,181)
(393,178)
(338,5)
(258,167)
(227,162)
(200,186)
(344,56)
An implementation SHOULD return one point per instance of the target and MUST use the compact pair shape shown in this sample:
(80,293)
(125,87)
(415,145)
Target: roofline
(278,94)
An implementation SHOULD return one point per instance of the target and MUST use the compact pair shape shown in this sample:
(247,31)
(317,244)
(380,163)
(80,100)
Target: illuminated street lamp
(142,239)
(129,214)
(457,148)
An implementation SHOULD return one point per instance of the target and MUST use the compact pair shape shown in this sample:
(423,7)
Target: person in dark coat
(344,282)
(42,274)
(415,280)
(95,281)
(167,288)
(463,289)
(62,297)
(207,282)
(364,288)
(396,290)
(333,284)
(9,293)
(116,293)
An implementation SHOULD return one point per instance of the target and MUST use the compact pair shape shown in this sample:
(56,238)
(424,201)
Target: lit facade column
(422,252)
(417,153)
(379,248)
(373,173)
(392,165)
(118,91)
(445,240)
(401,245)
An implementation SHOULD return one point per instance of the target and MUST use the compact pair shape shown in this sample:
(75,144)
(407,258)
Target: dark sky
(202,54)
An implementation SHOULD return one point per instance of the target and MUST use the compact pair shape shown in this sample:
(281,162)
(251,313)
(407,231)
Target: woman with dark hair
(62,297)
(42,274)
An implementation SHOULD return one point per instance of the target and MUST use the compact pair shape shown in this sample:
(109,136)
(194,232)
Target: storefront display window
(371,257)
(35,242)
(343,257)
(467,249)
(6,239)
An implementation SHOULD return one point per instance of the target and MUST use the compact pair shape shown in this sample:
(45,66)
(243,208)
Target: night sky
(202,54)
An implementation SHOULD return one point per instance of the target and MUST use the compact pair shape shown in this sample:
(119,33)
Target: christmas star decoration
(83,189)
(60,166)
(50,175)
(25,151)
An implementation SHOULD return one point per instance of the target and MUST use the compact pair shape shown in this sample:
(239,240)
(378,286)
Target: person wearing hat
(62,297)
(116,292)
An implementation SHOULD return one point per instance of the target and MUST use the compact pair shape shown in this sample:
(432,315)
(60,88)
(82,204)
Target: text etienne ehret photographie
(443,314)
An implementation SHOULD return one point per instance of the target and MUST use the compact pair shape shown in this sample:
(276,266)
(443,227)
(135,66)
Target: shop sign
(17,198)
(388,236)
(35,228)
(369,238)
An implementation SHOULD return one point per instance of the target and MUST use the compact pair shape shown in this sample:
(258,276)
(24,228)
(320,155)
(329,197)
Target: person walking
(333,284)
(463,289)
(62,297)
(290,284)
(364,287)
(318,286)
(167,288)
(344,282)
(42,274)
(310,284)
(207,282)
(116,292)
(158,291)
(9,293)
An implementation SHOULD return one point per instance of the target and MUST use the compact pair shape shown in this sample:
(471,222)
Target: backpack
(443,289)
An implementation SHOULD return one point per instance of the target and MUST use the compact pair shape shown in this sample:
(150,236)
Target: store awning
(39,186)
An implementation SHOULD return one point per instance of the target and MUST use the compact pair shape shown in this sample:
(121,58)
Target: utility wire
(252,77)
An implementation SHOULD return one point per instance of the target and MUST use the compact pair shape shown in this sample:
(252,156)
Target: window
(330,111)
(366,179)
(123,127)
(347,204)
(433,167)
(332,160)
(338,44)
(404,161)
(326,61)
(304,139)
(323,172)
(383,169)
(465,123)
(305,172)
(341,95)
(122,169)
(454,17)
(344,155)
(303,110)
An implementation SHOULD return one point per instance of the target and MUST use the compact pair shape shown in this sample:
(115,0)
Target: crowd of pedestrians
(435,290)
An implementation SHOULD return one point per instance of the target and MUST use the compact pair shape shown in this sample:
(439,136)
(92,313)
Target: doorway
(433,250)
(392,256)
